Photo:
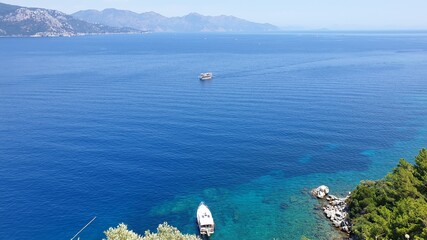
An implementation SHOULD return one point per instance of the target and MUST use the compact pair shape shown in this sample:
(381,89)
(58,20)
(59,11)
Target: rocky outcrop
(334,208)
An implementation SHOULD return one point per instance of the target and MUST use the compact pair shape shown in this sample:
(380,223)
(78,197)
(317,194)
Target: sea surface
(120,127)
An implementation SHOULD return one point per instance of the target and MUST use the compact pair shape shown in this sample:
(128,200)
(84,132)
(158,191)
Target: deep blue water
(120,127)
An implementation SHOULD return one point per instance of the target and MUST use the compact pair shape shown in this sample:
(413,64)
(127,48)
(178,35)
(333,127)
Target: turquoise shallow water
(119,127)
(276,207)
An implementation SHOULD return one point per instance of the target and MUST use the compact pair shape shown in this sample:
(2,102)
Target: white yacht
(206,76)
(205,220)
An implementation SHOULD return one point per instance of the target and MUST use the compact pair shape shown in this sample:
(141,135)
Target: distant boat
(205,220)
(206,76)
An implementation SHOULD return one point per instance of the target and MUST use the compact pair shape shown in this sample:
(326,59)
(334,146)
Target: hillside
(154,22)
(39,22)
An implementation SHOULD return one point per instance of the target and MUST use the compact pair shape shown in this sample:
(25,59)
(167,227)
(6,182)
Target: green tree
(421,169)
(394,206)
(121,232)
(402,182)
(409,217)
(164,232)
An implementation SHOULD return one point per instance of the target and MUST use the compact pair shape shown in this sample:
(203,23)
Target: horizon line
(282,28)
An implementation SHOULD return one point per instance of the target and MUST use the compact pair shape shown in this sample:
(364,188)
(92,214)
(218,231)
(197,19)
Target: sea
(120,128)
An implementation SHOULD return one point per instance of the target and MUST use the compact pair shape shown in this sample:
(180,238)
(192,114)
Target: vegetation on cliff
(394,207)
(164,232)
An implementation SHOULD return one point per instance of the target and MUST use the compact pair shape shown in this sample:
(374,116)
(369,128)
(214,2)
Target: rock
(331,198)
(345,224)
(335,209)
(320,192)
(336,223)
(345,229)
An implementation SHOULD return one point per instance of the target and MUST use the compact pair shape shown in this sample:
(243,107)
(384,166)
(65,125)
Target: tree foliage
(394,206)
(164,232)
(121,232)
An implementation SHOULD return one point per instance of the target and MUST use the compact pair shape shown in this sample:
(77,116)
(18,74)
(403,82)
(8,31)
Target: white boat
(205,220)
(206,76)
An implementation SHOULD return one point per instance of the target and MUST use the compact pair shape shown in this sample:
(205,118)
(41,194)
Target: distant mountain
(154,22)
(23,21)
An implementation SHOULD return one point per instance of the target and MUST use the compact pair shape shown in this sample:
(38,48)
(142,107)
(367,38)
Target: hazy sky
(309,14)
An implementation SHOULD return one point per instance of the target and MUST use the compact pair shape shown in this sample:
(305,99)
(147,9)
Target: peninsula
(17,21)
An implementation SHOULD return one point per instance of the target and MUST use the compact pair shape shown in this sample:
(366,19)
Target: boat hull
(205,220)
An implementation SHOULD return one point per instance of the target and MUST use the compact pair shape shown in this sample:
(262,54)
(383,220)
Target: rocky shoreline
(334,208)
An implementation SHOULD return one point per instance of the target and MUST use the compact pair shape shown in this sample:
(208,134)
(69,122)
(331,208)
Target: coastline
(334,208)
(73,35)
(393,207)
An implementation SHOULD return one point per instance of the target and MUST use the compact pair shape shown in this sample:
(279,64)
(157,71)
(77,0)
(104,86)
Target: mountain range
(154,22)
(40,22)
